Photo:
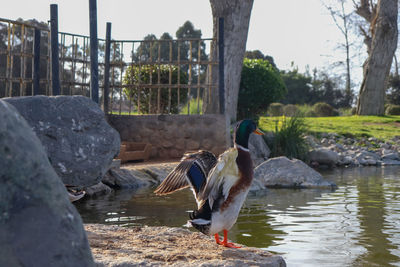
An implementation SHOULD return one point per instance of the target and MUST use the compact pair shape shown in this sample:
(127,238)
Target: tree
(343,20)
(260,85)
(381,41)
(257,54)
(236,14)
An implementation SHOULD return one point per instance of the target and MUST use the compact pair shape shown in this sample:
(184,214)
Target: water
(356,225)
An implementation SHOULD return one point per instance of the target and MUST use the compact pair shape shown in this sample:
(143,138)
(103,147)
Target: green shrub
(393,110)
(346,111)
(260,85)
(193,107)
(290,110)
(310,113)
(322,109)
(288,138)
(275,109)
(148,98)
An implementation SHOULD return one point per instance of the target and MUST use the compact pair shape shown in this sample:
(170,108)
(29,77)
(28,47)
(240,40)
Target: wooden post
(36,62)
(55,68)
(94,64)
(221,73)
(106,93)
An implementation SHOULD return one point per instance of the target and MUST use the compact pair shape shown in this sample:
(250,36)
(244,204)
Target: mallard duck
(220,186)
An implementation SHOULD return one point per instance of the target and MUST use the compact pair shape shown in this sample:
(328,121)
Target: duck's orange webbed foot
(225,242)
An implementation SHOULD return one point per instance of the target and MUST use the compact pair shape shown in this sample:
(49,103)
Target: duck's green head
(243,130)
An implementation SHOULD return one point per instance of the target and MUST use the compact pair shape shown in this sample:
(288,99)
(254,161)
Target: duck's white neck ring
(242,148)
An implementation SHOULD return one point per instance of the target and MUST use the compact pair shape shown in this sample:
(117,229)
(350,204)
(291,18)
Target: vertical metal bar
(83,65)
(72,78)
(63,60)
(8,57)
(12,60)
(55,71)
(221,74)
(94,64)
(21,62)
(139,88)
(198,76)
(130,85)
(121,54)
(106,92)
(190,76)
(48,59)
(159,79)
(170,77)
(209,74)
(24,63)
(36,63)
(179,73)
(113,76)
(151,75)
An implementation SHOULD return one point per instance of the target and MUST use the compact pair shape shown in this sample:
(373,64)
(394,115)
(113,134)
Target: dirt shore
(160,246)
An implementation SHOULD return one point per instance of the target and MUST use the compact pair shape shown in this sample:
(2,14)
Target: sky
(288,30)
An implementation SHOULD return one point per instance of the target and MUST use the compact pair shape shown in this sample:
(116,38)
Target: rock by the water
(324,156)
(259,150)
(38,224)
(163,246)
(78,140)
(282,172)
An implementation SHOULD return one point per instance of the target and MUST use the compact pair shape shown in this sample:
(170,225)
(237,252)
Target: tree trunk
(236,14)
(377,66)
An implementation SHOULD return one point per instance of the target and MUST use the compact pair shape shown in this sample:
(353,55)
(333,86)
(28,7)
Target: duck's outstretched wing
(191,171)
(222,177)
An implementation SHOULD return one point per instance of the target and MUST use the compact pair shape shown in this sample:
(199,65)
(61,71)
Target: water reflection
(356,225)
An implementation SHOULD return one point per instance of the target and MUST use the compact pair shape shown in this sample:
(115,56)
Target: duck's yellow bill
(258,131)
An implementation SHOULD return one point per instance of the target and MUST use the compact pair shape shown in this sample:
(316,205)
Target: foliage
(135,75)
(321,87)
(393,91)
(322,109)
(381,127)
(392,110)
(288,138)
(257,54)
(275,109)
(306,110)
(260,85)
(290,110)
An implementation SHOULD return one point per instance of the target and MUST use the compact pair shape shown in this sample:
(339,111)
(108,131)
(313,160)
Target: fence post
(36,62)
(106,92)
(94,64)
(55,68)
(221,73)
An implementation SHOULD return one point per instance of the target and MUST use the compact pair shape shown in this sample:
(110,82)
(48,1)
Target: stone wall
(172,135)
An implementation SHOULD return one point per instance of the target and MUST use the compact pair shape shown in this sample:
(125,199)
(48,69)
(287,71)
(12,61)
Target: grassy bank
(381,127)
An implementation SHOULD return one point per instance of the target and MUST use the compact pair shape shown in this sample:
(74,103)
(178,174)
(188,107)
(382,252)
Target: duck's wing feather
(222,177)
(191,171)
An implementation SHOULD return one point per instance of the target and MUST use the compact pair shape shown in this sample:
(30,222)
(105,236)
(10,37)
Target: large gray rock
(259,150)
(282,172)
(79,142)
(38,224)
(324,156)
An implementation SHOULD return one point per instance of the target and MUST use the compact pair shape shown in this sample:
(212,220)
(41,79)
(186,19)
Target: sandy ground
(160,246)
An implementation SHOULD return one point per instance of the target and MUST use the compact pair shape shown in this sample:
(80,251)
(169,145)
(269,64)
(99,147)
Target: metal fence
(169,76)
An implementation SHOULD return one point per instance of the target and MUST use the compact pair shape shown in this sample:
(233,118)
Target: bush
(288,138)
(275,109)
(260,85)
(147,97)
(322,109)
(393,110)
(290,110)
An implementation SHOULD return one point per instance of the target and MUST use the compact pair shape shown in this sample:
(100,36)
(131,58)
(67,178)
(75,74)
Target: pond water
(356,225)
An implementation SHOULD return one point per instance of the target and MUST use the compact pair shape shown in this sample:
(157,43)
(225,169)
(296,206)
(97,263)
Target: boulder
(324,156)
(282,172)
(391,156)
(78,140)
(38,224)
(259,150)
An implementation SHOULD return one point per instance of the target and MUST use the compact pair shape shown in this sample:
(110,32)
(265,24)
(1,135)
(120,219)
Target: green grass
(381,127)
(193,107)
